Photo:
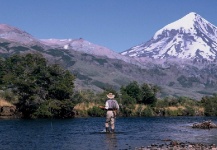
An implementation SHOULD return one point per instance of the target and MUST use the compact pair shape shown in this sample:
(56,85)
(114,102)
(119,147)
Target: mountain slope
(191,37)
(87,47)
(97,68)
(16,35)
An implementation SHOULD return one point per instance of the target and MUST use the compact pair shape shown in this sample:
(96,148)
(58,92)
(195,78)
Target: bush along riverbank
(141,101)
(138,110)
(90,109)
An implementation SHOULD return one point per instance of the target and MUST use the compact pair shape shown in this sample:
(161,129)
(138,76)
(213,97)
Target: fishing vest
(112,105)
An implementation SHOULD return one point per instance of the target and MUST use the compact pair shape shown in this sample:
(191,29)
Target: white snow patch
(66,46)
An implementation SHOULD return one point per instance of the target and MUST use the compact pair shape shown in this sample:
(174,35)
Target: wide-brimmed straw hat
(110,95)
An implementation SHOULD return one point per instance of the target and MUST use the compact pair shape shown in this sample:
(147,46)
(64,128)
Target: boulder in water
(205,125)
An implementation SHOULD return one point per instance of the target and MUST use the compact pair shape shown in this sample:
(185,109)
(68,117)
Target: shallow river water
(86,133)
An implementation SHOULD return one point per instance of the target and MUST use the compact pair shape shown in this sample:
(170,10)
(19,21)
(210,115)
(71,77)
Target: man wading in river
(111,106)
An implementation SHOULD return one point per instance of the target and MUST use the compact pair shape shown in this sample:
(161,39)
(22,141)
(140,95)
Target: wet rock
(7,110)
(205,125)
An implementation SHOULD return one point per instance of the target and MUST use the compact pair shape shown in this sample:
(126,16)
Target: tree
(149,93)
(35,82)
(210,105)
(133,90)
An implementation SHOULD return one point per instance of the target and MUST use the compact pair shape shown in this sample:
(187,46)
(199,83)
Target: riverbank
(7,110)
(176,145)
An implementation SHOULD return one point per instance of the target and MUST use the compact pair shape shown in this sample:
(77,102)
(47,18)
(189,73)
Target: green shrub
(148,112)
(169,112)
(95,112)
(44,111)
(189,111)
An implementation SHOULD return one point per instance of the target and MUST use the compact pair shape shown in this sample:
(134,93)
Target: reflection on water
(86,133)
(110,141)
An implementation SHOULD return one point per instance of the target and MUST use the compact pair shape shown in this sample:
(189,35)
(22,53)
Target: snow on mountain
(83,46)
(189,37)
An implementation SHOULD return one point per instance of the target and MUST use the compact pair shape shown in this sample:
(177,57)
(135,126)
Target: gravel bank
(175,145)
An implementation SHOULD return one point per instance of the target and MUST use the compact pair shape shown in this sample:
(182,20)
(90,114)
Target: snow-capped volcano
(189,37)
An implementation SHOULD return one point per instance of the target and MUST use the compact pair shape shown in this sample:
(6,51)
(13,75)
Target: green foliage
(162,103)
(95,112)
(62,109)
(85,96)
(54,109)
(132,90)
(169,112)
(34,82)
(127,111)
(146,93)
(189,111)
(149,94)
(210,105)
(43,111)
(147,112)
(128,100)
(185,106)
(9,96)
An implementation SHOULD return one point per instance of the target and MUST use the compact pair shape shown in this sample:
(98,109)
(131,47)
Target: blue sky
(115,24)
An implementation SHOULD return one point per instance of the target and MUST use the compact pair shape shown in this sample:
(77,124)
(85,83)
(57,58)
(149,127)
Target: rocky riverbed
(176,145)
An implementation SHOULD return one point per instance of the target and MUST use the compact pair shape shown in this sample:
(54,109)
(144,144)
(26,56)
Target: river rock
(176,145)
(205,125)
(6,109)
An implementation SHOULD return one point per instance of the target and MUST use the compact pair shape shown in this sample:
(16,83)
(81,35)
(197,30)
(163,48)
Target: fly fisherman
(111,106)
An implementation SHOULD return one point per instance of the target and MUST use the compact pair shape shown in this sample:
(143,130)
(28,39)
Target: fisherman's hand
(102,107)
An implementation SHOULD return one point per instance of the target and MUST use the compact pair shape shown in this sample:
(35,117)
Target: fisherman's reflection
(111,141)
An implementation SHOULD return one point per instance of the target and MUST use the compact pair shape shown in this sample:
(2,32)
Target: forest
(39,89)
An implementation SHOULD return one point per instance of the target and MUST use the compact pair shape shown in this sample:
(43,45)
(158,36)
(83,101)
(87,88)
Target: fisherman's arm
(104,107)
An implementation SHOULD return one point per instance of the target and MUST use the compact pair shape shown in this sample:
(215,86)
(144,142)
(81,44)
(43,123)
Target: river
(86,133)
